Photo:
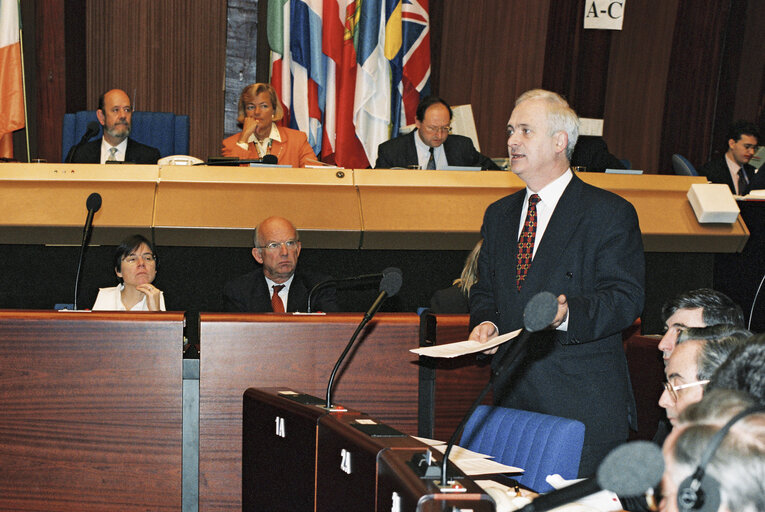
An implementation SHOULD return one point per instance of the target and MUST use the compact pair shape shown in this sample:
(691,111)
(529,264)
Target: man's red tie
(526,242)
(276,302)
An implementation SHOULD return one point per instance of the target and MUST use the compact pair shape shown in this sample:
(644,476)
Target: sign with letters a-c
(604,14)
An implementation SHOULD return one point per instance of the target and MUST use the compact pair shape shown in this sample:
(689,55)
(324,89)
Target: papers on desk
(462,348)
(603,501)
(471,463)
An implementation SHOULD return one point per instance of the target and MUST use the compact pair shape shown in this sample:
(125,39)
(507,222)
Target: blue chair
(165,131)
(682,166)
(539,443)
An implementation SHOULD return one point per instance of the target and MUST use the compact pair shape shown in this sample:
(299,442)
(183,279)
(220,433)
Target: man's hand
(484,332)
(152,295)
(562,313)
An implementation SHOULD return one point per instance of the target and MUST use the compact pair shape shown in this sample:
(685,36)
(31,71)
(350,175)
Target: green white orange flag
(11,92)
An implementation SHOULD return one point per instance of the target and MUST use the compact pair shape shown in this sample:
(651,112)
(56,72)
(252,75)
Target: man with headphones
(715,456)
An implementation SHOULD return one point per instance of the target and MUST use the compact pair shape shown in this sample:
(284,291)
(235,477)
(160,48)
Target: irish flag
(11,93)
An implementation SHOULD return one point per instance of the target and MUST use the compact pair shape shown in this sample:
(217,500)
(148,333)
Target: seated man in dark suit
(278,282)
(430,146)
(114,113)
(733,167)
(592,152)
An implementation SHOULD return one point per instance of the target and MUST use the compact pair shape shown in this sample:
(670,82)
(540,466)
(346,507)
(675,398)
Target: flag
(415,83)
(308,66)
(372,101)
(342,145)
(11,84)
(346,71)
(278,27)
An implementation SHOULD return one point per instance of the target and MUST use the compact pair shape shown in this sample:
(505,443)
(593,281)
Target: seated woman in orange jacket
(259,107)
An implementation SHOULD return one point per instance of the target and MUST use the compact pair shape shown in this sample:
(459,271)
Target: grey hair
(739,462)
(560,116)
(717,342)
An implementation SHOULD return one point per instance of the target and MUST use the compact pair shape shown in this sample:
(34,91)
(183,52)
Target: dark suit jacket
(592,252)
(249,294)
(401,152)
(716,171)
(136,153)
(592,152)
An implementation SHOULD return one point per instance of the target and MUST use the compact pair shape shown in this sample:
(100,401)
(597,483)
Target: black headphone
(701,491)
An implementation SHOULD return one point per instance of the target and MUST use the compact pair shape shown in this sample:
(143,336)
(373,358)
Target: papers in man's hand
(462,348)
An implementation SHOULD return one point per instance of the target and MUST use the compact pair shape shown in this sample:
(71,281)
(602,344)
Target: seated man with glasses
(699,352)
(115,113)
(431,146)
(279,286)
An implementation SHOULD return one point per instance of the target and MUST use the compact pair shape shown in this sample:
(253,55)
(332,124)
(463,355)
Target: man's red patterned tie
(526,241)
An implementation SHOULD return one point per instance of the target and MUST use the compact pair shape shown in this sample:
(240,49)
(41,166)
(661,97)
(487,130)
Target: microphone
(225,160)
(628,470)
(538,314)
(93,204)
(363,277)
(91,131)
(389,286)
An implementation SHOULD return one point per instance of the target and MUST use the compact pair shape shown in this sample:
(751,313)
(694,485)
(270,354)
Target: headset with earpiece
(701,491)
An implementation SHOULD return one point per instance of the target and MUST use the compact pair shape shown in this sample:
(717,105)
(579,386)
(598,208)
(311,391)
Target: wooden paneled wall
(168,56)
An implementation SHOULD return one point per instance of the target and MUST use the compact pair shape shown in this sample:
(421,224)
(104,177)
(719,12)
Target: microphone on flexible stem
(91,131)
(628,470)
(389,286)
(321,284)
(267,159)
(93,204)
(538,314)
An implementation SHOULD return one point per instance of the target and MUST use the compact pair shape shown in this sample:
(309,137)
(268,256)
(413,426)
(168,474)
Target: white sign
(604,14)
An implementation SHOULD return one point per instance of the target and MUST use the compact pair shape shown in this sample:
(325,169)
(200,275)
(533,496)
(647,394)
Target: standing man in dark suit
(581,243)
(278,282)
(733,167)
(114,113)
(430,146)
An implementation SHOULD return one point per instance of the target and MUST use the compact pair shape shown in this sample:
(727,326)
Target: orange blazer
(293,150)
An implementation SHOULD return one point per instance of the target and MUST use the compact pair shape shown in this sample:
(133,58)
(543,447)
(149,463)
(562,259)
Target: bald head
(277,248)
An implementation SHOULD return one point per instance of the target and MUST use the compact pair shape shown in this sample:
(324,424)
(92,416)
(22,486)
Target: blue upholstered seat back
(538,443)
(682,166)
(165,131)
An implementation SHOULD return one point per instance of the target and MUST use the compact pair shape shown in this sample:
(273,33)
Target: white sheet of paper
(462,348)
(484,467)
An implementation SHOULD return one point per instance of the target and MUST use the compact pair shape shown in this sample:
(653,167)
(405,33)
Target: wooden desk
(333,208)
(91,411)
(239,351)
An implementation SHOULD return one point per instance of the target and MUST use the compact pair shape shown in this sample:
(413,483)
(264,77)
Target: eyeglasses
(672,389)
(437,129)
(133,258)
(291,245)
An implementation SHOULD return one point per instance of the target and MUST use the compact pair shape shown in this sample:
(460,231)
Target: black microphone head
(391,281)
(93,128)
(94,202)
(631,469)
(540,311)
(270,159)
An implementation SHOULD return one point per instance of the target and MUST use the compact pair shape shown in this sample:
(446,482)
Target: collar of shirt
(733,167)
(284,292)
(264,144)
(423,153)
(549,197)
(119,155)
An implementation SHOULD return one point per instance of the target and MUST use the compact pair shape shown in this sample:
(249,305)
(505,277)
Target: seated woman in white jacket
(136,267)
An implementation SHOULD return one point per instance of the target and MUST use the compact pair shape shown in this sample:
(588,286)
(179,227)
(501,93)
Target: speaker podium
(296,455)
